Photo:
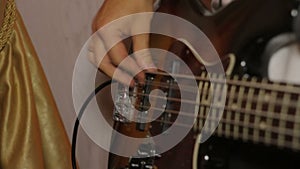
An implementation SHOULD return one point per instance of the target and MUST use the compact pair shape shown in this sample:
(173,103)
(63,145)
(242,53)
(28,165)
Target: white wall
(58,29)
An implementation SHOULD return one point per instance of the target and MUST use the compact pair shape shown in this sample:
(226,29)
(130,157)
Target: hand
(110,11)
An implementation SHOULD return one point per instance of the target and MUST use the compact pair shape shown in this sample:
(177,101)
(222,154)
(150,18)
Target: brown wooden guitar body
(234,29)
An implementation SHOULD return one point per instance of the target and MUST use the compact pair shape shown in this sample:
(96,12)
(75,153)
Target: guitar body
(225,153)
(186,146)
(243,28)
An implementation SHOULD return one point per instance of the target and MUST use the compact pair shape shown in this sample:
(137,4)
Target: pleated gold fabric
(32,135)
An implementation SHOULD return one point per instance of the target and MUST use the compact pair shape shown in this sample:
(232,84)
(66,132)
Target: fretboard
(256,110)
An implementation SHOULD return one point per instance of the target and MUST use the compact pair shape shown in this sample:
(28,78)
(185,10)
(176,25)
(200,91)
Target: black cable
(76,125)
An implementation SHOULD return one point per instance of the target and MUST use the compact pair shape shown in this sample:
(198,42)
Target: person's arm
(115,9)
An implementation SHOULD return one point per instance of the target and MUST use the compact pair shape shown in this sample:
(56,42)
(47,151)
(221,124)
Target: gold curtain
(32,135)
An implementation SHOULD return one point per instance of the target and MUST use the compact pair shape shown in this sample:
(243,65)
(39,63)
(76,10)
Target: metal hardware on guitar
(132,113)
(144,105)
(123,111)
(145,158)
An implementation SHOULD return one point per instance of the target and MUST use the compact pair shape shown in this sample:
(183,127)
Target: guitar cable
(80,114)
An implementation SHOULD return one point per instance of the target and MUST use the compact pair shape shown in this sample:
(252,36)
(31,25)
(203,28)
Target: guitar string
(266,86)
(293,104)
(273,141)
(274,86)
(272,128)
(240,124)
(261,113)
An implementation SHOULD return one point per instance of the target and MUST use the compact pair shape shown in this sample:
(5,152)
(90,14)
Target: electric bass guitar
(260,126)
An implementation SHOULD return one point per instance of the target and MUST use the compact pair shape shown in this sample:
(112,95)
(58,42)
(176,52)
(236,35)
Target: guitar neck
(256,110)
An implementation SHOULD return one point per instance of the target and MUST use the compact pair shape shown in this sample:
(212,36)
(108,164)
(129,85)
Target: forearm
(114,9)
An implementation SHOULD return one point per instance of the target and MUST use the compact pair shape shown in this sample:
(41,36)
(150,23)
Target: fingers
(96,50)
(118,55)
(115,72)
(143,56)
(116,62)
